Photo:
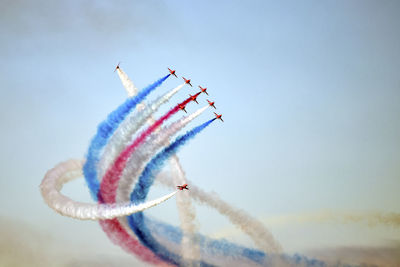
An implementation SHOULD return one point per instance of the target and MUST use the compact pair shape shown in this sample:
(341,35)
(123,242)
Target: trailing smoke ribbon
(109,156)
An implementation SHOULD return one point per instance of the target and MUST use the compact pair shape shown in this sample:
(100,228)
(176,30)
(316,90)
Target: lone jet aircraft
(181,187)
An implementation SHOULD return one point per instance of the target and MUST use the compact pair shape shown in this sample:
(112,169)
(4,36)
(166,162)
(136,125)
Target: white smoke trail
(127,128)
(66,171)
(190,250)
(130,88)
(252,227)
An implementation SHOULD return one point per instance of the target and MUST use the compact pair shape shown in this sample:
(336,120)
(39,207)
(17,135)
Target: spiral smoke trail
(110,153)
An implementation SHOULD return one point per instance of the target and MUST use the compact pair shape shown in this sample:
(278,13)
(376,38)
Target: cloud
(388,255)
(41,23)
(24,245)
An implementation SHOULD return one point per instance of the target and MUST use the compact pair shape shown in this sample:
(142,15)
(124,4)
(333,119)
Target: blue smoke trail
(140,224)
(222,247)
(142,188)
(104,132)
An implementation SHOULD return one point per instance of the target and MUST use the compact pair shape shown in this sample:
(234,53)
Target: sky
(309,92)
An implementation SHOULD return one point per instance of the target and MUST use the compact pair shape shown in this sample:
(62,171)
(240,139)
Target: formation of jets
(194,98)
(183,107)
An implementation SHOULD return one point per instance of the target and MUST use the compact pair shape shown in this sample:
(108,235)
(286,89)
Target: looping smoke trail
(105,130)
(141,190)
(215,247)
(66,171)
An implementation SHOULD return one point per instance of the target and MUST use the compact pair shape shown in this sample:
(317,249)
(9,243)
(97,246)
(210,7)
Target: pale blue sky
(309,91)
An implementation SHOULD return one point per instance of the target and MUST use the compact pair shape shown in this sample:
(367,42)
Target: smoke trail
(142,187)
(110,180)
(105,130)
(115,233)
(190,249)
(130,88)
(144,153)
(66,171)
(127,128)
(251,226)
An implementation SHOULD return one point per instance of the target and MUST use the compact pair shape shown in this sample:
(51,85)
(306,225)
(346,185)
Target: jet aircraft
(181,187)
(218,116)
(172,72)
(211,103)
(203,90)
(193,97)
(182,107)
(187,81)
(117,67)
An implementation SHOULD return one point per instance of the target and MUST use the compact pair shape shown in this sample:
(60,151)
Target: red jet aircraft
(193,97)
(187,81)
(203,90)
(182,107)
(211,104)
(172,72)
(181,187)
(218,116)
(117,67)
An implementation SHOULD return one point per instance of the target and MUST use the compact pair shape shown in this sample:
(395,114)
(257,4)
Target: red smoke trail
(108,188)
(119,236)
